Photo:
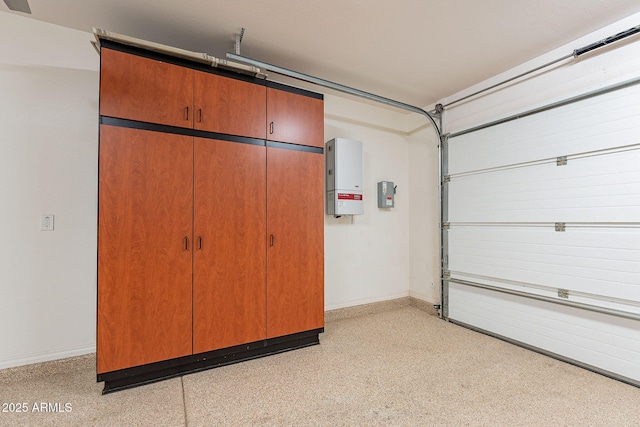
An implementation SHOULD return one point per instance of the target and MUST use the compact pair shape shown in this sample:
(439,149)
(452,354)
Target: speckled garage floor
(401,367)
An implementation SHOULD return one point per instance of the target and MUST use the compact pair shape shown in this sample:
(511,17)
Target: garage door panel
(602,283)
(594,261)
(530,279)
(609,343)
(582,331)
(616,244)
(548,314)
(530,261)
(594,189)
(603,122)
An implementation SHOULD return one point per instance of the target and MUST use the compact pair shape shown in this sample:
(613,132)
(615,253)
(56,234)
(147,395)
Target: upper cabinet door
(147,90)
(229,106)
(294,118)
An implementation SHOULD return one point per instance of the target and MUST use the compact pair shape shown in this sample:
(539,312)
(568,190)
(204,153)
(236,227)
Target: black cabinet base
(153,372)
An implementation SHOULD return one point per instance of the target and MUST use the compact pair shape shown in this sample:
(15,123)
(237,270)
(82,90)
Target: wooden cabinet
(153,91)
(229,290)
(144,246)
(146,90)
(170,204)
(294,118)
(210,242)
(229,106)
(295,283)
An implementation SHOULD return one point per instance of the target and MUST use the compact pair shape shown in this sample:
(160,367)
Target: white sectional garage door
(543,233)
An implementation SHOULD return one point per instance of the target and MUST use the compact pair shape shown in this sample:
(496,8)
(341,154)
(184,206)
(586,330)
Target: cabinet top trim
(182,62)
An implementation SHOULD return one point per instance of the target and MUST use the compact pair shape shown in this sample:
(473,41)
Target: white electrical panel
(344,176)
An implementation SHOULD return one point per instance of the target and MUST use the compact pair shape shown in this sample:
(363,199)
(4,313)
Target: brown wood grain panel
(144,271)
(137,88)
(295,262)
(230,267)
(296,118)
(230,106)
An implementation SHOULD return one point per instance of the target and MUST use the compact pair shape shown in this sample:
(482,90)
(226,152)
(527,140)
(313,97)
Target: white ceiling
(413,51)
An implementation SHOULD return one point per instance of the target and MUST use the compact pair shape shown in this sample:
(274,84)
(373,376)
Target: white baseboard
(46,356)
(423,297)
(366,301)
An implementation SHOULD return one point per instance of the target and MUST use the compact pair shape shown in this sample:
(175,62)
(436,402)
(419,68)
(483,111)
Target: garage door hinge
(560,226)
(561,161)
(563,293)
(446,225)
(446,274)
(446,178)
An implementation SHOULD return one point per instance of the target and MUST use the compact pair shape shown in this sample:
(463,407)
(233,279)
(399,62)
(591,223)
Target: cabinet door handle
(200,115)
(273,241)
(186,113)
(186,243)
(271,128)
(200,243)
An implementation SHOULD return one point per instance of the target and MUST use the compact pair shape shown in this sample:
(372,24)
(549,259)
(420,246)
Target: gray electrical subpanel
(386,194)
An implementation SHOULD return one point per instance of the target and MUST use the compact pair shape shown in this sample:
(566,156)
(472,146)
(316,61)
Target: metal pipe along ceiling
(346,89)
(335,86)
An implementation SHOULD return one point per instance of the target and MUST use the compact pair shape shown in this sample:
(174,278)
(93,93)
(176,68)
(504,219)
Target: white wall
(385,254)
(424,242)
(48,138)
(367,256)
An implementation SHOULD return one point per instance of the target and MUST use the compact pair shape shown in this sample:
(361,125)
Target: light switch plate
(46,222)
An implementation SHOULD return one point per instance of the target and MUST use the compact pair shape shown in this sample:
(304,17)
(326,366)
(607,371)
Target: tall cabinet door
(230,255)
(230,106)
(295,241)
(144,247)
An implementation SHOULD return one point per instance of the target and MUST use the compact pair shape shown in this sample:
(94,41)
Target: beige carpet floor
(402,367)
